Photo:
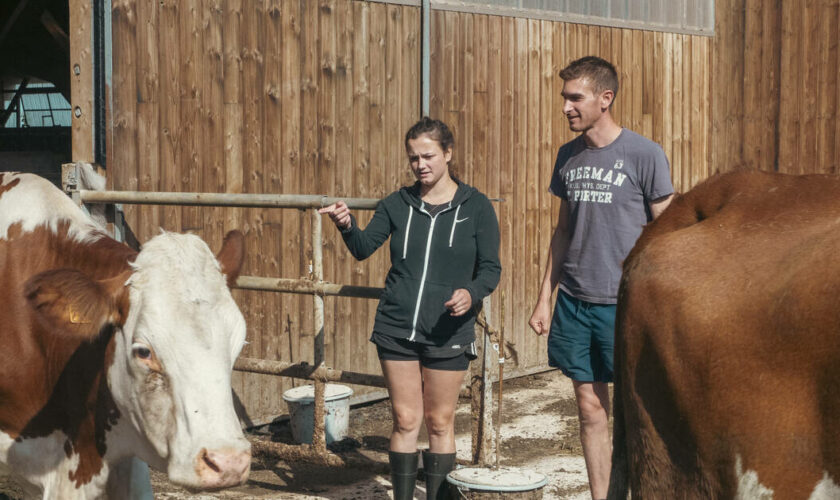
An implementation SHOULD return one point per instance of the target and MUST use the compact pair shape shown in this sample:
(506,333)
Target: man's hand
(540,320)
(339,213)
(460,302)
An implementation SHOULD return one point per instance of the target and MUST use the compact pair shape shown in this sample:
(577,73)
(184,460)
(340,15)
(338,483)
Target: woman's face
(428,161)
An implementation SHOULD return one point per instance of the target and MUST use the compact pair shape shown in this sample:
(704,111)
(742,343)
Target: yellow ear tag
(76,318)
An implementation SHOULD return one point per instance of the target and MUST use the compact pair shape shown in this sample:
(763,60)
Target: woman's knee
(407,420)
(440,423)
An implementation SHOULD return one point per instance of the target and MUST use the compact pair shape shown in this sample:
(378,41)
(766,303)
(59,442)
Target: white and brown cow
(107,354)
(727,356)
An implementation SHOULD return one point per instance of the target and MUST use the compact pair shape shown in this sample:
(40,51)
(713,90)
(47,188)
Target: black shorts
(395,349)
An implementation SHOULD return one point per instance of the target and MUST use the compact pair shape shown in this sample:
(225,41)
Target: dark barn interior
(35,119)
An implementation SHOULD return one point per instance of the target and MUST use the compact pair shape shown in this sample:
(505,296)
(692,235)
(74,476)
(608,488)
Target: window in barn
(696,17)
(35,104)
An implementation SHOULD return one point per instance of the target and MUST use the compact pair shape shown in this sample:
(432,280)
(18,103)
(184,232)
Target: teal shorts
(581,339)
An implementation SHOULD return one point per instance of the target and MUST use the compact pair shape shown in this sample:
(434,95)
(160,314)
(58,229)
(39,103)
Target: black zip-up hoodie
(431,257)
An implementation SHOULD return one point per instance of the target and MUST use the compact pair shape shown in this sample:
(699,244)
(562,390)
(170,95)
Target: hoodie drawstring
(454,221)
(407,230)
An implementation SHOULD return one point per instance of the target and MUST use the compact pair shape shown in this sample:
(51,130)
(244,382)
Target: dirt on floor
(539,433)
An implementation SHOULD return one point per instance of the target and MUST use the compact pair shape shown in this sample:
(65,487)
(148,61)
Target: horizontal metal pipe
(301,201)
(307,371)
(306,286)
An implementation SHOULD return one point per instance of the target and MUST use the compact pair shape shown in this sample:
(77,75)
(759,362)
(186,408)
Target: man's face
(582,107)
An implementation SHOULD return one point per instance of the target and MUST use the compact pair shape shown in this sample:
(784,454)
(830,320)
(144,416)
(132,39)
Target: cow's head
(177,334)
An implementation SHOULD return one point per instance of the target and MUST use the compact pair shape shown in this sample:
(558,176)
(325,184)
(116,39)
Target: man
(611,181)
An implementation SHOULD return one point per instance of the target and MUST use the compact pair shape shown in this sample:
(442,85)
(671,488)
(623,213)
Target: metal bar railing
(254,200)
(318,371)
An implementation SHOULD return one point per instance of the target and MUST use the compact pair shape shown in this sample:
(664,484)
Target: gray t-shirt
(607,190)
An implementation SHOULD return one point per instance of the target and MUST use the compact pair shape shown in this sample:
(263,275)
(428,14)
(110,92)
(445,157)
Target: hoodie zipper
(425,269)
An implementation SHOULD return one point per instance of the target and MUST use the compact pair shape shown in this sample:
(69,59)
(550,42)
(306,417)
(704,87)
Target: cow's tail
(619,485)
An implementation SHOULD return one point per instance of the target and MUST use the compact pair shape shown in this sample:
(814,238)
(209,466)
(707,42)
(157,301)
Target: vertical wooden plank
(190,141)
(253,107)
(492,162)
(808,88)
(437,61)
(293,263)
(123,172)
(835,167)
(81,83)
(344,336)
(376,134)
(507,162)
(789,156)
(358,348)
(148,116)
(770,60)
(647,96)
(309,183)
(212,117)
(395,157)
(480,114)
(232,125)
(453,62)
(698,163)
(545,163)
(169,54)
(655,89)
(232,87)
(753,79)
(625,75)
(467,105)
(636,79)
(409,86)
(532,158)
(272,228)
(826,31)
(327,142)
(680,183)
(522,293)
(687,90)
(622,102)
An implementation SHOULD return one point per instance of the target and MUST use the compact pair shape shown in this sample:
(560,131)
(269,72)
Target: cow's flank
(728,344)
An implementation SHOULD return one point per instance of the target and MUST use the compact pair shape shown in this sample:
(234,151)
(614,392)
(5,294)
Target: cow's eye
(142,352)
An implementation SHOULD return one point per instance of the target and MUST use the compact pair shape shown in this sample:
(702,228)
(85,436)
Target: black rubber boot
(437,466)
(403,474)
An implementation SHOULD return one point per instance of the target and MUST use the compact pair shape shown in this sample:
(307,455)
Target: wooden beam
(81,79)
(55,30)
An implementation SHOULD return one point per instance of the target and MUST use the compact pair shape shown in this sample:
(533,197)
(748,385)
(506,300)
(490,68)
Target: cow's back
(727,340)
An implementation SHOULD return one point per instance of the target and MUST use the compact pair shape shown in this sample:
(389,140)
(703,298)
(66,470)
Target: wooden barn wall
(494,80)
(268,97)
(304,96)
(776,85)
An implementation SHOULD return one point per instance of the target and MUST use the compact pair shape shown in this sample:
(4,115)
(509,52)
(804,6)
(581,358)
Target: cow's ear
(232,255)
(67,300)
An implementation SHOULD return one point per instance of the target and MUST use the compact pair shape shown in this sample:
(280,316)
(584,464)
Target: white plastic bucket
(301,402)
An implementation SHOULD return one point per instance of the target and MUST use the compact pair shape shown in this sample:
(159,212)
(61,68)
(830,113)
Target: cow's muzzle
(222,468)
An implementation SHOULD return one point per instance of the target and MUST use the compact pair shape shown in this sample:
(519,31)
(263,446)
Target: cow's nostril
(209,461)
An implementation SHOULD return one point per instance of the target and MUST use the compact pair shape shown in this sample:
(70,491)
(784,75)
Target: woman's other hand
(459,303)
(339,213)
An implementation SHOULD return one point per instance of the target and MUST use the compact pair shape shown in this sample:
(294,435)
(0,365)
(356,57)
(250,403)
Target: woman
(444,261)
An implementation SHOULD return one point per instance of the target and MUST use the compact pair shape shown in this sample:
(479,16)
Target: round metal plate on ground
(502,479)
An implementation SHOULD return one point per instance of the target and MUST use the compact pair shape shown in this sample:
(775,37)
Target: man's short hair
(600,73)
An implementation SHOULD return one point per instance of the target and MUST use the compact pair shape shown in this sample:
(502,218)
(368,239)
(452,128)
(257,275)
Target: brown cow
(727,356)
